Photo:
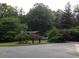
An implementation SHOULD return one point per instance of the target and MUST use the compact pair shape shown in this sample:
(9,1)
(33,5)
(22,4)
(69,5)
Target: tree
(7,10)
(21,15)
(10,23)
(76,15)
(67,17)
(57,17)
(39,18)
(9,28)
(76,9)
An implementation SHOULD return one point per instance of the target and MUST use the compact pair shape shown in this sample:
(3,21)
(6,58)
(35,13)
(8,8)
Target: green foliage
(39,18)
(64,35)
(7,10)
(67,18)
(14,24)
(57,18)
(72,34)
(10,23)
(55,36)
(22,37)
(66,21)
(8,27)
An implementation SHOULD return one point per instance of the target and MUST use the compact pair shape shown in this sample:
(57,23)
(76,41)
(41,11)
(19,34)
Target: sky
(27,4)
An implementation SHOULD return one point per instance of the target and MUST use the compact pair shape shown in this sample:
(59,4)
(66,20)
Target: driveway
(55,50)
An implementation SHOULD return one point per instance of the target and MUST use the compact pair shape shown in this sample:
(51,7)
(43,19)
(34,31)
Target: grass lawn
(8,44)
(16,43)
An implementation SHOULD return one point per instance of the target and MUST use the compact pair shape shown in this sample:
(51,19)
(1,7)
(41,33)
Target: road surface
(54,50)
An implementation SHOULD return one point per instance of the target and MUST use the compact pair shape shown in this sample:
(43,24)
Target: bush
(22,37)
(9,36)
(74,34)
(56,36)
(71,34)
(64,35)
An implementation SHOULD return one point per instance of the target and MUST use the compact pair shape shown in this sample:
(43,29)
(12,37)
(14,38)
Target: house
(35,35)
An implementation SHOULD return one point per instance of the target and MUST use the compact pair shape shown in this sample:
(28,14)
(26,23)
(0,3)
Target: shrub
(71,34)
(74,33)
(9,36)
(22,37)
(64,35)
(56,36)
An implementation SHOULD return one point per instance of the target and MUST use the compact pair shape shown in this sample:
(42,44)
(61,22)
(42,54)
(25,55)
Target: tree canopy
(39,18)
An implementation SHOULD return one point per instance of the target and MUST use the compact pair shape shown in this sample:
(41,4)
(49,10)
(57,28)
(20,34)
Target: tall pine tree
(67,17)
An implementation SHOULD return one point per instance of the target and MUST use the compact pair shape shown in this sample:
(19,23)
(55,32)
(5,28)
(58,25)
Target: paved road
(55,50)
